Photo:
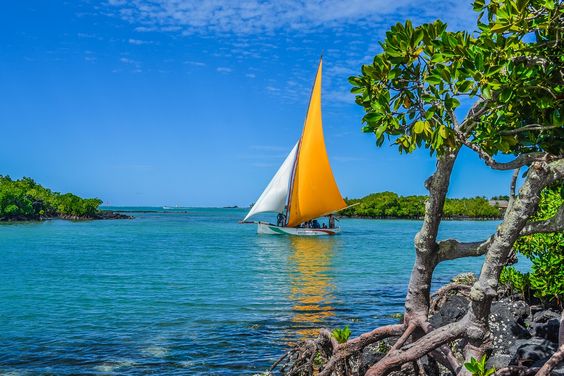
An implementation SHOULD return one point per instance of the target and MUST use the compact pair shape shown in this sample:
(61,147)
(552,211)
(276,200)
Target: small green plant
(341,335)
(478,368)
(318,359)
(514,279)
(382,347)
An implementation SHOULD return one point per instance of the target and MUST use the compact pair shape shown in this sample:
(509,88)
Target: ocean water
(192,292)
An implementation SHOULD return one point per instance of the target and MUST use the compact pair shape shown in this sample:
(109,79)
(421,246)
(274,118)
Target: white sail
(274,197)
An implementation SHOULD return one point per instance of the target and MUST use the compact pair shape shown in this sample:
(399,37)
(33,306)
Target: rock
(533,351)
(507,324)
(374,352)
(498,361)
(107,214)
(370,355)
(545,316)
(547,330)
(453,309)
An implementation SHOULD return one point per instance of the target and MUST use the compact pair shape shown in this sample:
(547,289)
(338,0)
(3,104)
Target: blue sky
(196,103)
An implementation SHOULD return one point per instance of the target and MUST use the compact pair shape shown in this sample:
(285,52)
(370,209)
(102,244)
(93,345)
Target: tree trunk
(417,301)
(484,290)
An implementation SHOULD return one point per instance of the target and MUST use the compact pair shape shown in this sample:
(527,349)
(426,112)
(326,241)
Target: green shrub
(341,335)
(515,280)
(478,368)
(546,251)
(389,204)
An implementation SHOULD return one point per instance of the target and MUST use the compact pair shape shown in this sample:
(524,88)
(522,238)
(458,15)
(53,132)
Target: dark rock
(370,355)
(547,330)
(507,324)
(373,353)
(107,214)
(532,352)
(545,316)
(453,309)
(498,360)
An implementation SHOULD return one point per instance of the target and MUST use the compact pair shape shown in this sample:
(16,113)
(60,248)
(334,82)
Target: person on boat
(280,220)
(331,221)
(324,225)
(315,224)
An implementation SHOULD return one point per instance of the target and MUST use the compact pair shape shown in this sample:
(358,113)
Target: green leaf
(438,58)
(486,93)
(443,132)
(418,37)
(380,130)
(499,28)
(490,372)
(419,127)
(471,367)
(464,86)
(434,80)
(478,5)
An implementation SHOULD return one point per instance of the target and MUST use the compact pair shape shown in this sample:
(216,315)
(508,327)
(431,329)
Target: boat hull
(270,229)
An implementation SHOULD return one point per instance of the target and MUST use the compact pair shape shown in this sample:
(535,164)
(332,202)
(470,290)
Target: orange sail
(314,192)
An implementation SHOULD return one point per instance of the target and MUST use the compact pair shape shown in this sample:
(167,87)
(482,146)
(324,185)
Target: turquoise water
(194,293)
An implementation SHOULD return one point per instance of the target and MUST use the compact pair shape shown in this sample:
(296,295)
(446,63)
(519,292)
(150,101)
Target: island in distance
(26,200)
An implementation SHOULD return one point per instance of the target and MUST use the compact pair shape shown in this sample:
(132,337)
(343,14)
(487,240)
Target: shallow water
(194,293)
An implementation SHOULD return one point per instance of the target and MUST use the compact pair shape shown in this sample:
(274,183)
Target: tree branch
(477,110)
(451,249)
(554,224)
(512,188)
(520,161)
(556,358)
(530,127)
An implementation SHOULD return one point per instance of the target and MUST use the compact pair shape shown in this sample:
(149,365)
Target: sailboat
(304,187)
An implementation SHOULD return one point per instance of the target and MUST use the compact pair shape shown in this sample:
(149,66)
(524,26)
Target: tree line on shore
(24,199)
(391,205)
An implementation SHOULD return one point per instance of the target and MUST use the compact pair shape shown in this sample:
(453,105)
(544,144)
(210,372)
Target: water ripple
(193,292)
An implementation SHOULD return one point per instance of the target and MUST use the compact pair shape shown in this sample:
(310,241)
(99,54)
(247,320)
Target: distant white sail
(274,197)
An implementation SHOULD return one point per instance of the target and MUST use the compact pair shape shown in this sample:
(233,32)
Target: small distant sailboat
(304,187)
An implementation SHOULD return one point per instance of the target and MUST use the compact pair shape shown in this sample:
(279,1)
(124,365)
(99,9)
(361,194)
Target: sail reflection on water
(311,284)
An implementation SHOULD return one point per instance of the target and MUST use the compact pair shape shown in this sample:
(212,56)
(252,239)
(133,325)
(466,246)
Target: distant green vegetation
(24,199)
(391,205)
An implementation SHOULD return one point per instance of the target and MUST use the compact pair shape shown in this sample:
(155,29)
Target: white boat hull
(270,229)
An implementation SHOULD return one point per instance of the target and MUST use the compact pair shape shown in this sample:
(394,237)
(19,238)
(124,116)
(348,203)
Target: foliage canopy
(511,70)
(25,199)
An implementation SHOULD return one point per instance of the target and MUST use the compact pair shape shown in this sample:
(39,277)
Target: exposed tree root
(323,356)
(552,362)
(417,349)
(516,371)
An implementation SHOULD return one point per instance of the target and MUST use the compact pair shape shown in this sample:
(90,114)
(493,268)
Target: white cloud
(224,70)
(139,42)
(195,63)
(260,16)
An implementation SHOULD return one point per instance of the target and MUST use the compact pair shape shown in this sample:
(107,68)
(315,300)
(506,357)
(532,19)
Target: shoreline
(101,215)
(460,218)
